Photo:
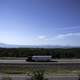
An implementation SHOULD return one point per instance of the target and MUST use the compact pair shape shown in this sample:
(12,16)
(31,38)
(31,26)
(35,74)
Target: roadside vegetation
(48,71)
(38,75)
(55,53)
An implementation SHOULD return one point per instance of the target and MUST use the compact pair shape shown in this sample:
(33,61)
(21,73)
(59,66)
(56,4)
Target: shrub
(38,75)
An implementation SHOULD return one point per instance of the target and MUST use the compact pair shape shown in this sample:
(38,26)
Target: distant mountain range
(2,45)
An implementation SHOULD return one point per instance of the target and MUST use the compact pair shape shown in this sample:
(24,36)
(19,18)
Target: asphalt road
(54,61)
(23,77)
(12,61)
(64,78)
(22,63)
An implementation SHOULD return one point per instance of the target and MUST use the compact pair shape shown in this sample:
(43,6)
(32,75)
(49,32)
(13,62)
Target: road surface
(74,64)
(23,77)
(23,60)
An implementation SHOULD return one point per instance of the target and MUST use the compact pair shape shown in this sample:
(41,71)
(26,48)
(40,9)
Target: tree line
(55,52)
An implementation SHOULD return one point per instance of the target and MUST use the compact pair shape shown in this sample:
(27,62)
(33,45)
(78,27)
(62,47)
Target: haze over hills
(3,45)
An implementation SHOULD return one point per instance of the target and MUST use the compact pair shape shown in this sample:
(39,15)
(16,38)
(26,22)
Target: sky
(40,22)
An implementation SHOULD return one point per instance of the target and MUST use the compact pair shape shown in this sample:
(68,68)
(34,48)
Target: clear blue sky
(37,22)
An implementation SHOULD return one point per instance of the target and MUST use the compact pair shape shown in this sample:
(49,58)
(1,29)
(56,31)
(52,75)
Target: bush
(38,75)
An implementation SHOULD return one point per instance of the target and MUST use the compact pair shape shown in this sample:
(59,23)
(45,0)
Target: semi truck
(39,58)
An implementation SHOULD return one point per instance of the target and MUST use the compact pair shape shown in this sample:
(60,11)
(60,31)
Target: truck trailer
(39,58)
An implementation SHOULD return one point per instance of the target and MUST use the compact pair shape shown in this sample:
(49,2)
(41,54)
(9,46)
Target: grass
(29,70)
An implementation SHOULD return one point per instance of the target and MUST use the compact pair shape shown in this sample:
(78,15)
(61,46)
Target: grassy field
(29,70)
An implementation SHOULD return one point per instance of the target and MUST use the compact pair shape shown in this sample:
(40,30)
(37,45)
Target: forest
(54,52)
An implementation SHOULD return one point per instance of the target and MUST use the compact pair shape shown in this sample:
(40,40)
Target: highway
(63,63)
(24,77)
(73,64)
(53,61)
(64,78)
